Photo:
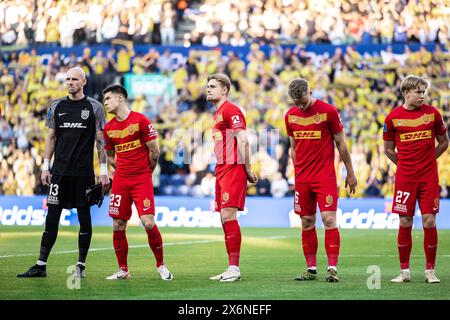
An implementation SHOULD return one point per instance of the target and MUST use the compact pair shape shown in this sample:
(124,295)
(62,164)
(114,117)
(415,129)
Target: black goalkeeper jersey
(76,123)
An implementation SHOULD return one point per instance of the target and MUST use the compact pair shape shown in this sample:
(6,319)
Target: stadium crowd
(320,21)
(71,22)
(363,87)
(235,22)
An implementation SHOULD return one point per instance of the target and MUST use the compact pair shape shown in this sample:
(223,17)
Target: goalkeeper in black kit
(74,123)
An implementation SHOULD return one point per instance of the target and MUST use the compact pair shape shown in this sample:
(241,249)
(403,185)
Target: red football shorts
(308,195)
(406,194)
(231,188)
(128,189)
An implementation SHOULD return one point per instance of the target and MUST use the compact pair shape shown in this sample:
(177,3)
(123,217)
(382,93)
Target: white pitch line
(111,248)
(387,255)
(130,247)
(167,244)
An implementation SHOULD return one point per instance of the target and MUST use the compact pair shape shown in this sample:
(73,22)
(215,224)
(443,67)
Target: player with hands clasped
(413,128)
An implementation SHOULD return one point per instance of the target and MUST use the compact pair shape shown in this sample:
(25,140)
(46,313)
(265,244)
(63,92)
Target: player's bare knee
(228,214)
(227,218)
(119,225)
(428,220)
(148,221)
(329,221)
(406,221)
(330,225)
(308,222)
(148,225)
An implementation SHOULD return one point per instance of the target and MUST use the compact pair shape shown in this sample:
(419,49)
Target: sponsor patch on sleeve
(236,122)
(152,131)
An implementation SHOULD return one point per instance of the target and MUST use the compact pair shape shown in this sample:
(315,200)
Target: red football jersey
(127,138)
(227,120)
(414,132)
(313,131)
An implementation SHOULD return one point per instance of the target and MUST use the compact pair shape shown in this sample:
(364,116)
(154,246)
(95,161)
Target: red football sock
(156,244)
(430,243)
(309,243)
(404,243)
(233,240)
(121,248)
(225,237)
(332,246)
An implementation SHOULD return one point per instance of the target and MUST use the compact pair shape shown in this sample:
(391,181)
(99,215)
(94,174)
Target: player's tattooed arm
(442,145)
(389,150)
(100,120)
(102,158)
(153,153)
(111,157)
(100,141)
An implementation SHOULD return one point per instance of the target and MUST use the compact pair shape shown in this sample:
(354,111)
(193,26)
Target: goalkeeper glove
(94,194)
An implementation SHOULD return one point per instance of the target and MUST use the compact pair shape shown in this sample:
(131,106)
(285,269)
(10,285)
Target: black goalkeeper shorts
(69,191)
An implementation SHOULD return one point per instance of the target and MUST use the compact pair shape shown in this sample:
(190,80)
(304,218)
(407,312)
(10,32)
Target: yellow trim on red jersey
(217,136)
(127,146)
(307,134)
(416,135)
(315,119)
(218,119)
(425,119)
(128,131)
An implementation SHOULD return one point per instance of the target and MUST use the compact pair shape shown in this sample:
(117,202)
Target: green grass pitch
(270,259)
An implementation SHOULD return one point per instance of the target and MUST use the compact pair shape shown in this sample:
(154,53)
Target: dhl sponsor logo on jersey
(218,119)
(307,134)
(417,135)
(127,146)
(128,131)
(425,119)
(315,119)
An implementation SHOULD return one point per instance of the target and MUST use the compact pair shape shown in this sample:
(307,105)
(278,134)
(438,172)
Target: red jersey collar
(416,109)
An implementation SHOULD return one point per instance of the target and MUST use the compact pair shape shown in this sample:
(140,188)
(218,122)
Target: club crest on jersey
(84,114)
(131,129)
(426,118)
(147,203)
(226,197)
(329,199)
(317,118)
